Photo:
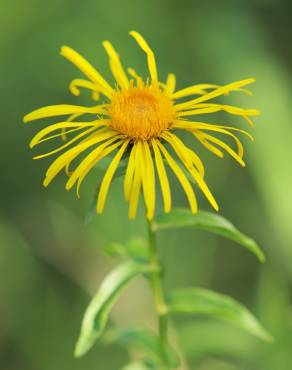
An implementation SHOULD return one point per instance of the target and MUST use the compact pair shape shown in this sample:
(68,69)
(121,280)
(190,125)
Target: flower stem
(160,304)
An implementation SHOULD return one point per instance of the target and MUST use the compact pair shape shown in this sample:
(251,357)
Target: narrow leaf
(97,313)
(214,223)
(138,365)
(200,301)
(135,248)
(147,342)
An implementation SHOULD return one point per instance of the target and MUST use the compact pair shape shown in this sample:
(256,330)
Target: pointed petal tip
(46,183)
(64,49)
(251,80)
(105,42)
(27,118)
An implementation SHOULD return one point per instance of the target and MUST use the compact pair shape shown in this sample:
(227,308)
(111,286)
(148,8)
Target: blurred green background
(50,262)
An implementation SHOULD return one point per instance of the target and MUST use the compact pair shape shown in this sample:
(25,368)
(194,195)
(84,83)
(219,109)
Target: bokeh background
(50,262)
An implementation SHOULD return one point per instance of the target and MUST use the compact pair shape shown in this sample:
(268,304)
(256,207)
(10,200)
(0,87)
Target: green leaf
(97,313)
(204,302)
(147,342)
(138,365)
(214,223)
(135,248)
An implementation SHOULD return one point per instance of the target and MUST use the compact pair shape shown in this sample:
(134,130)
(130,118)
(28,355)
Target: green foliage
(146,342)
(198,301)
(135,248)
(138,365)
(194,301)
(180,217)
(97,313)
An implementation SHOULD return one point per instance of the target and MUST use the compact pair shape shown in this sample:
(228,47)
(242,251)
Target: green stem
(160,304)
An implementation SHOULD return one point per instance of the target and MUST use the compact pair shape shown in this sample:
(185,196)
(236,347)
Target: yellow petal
(63,131)
(75,85)
(130,172)
(104,187)
(62,110)
(164,183)
(103,154)
(215,93)
(203,186)
(207,145)
(184,153)
(211,108)
(136,186)
(116,66)
(191,125)
(236,156)
(90,161)
(38,138)
(148,179)
(181,177)
(134,74)
(170,84)
(185,157)
(88,70)
(193,90)
(66,158)
(68,143)
(150,55)
(69,119)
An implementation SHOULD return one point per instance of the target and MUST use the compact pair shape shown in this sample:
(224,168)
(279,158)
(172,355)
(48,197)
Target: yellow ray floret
(139,122)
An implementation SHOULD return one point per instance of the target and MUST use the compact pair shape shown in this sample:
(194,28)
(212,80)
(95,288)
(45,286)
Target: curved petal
(215,93)
(198,89)
(170,84)
(103,154)
(212,108)
(150,55)
(69,119)
(68,143)
(136,185)
(181,177)
(164,183)
(148,179)
(191,125)
(90,161)
(130,172)
(236,156)
(75,85)
(39,137)
(207,145)
(104,187)
(184,153)
(85,67)
(66,158)
(116,66)
(62,110)
(134,74)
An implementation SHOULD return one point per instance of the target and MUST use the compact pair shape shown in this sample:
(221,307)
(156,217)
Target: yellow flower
(138,121)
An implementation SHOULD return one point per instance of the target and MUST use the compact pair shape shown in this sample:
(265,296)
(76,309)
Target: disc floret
(141,112)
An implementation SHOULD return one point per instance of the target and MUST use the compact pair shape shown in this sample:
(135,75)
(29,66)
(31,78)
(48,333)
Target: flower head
(139,122)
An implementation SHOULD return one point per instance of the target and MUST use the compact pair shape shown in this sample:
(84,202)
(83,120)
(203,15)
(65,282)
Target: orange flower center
(141,113)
